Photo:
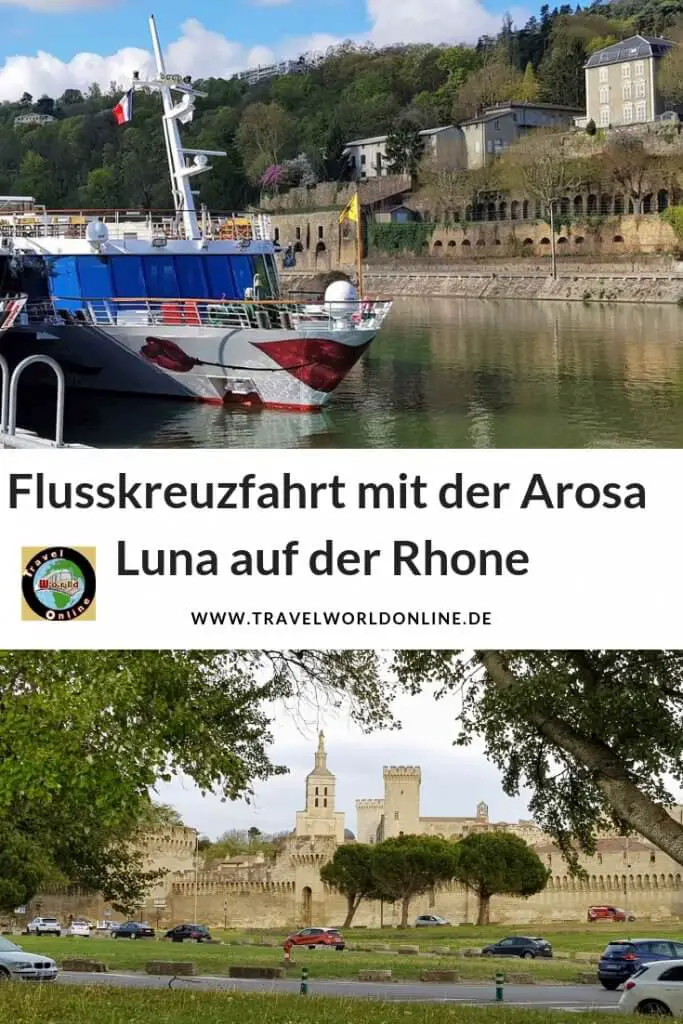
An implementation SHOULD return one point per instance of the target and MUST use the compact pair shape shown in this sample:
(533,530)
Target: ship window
(128,280)
(161,277)
(191,278)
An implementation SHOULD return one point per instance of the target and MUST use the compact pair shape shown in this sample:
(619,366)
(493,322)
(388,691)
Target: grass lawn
(124,954)
(575,937)
(29,1004)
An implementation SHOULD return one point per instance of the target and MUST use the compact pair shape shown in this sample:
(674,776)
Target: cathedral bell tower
(320,817)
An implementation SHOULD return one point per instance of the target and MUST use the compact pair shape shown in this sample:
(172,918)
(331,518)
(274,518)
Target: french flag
(123,111)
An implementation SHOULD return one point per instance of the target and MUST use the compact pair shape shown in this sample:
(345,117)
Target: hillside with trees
(292,129)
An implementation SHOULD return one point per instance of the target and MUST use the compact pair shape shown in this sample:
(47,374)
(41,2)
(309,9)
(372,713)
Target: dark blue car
(622,958)
(132,930)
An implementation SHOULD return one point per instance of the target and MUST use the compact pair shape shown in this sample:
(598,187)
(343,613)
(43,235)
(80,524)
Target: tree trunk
(352,905)
(405,906)
(630,803)
(484,908)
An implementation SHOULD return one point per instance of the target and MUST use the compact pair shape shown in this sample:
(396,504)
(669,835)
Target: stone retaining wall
(593,283)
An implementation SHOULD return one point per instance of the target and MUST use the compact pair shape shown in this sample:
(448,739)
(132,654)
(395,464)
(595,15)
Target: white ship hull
(263,368)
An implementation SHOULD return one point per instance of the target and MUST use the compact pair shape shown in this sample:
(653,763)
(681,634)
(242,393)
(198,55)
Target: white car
(656,990)
(44,926)
(78,929)
(18,965)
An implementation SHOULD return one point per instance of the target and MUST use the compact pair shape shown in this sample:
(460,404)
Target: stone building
(621,82)
(288,892)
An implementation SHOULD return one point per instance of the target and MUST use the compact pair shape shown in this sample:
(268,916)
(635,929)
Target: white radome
(340,291)
(340,295)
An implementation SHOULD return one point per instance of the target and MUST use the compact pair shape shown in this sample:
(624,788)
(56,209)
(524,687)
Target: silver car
(18,965)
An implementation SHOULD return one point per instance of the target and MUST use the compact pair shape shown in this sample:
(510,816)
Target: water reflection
(447,373)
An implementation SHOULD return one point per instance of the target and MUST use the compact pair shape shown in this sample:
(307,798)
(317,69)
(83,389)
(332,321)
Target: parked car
(519,945)
(656,990)
(44,926)
(132,930)
(18,965)
(190,932)
(313,937)
(78,929)
(621,959)
(430,921)
(609,914)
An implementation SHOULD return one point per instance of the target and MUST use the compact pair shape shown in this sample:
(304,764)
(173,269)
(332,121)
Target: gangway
(12,436)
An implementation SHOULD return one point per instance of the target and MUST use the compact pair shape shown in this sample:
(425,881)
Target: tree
(408,866)
(528,87)
(627,163)
(670,74)
(89,733)
(24,866)
(498,863)
(265,133)
(404,148)
(538,168)
(160,816)
(562,724)
(350,872)
(497,81)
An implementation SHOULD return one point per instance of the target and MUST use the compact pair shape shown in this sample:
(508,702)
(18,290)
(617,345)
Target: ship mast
(181,169)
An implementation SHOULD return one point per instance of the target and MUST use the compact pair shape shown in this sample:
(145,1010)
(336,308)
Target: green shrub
(393,239)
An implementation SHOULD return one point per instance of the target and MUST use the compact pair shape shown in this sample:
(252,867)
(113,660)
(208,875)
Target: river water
(445,373)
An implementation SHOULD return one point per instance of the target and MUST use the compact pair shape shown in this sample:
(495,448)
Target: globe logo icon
(59,584)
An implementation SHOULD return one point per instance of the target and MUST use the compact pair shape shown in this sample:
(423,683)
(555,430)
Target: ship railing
(129,224)
(264,314)
(10,308)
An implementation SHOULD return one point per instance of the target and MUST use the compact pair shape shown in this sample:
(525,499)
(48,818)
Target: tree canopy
(407,866)
(351,873)
(498,863)
(596,736)
(86,735)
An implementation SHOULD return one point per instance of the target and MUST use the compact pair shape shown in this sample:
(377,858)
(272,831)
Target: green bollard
(500,978)
(303,990)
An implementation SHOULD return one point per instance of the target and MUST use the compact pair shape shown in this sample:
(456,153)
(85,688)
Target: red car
(313,937)
(609,914)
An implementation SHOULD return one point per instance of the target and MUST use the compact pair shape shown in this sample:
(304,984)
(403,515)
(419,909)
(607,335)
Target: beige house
(621,82)
(443,147)
(490,133)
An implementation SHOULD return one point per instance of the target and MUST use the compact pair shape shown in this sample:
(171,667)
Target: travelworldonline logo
(58,584)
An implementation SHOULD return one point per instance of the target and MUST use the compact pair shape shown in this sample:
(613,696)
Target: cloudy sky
(47,46)
(453,780)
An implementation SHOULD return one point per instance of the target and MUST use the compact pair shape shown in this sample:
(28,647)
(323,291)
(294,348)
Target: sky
(454,780)
(47,46)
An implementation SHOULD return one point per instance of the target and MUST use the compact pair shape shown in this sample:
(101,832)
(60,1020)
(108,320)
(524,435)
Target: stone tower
(368,820)
(320,817)
(482,811)
(401,801)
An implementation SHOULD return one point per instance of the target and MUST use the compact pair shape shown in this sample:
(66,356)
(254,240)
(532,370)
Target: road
(558,997)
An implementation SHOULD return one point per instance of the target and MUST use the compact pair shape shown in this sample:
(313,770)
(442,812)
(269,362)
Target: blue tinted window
(160,274)
(127,277)
(191,277)
(243,270)
(95,277)
(64,283)
(221,281)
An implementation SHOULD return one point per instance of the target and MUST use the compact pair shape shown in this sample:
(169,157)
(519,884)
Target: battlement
(369,805)
(395,771)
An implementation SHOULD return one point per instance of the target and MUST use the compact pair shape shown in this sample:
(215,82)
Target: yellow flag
(350,211)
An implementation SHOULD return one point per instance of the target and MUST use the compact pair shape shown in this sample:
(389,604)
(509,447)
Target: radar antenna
(183,164)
